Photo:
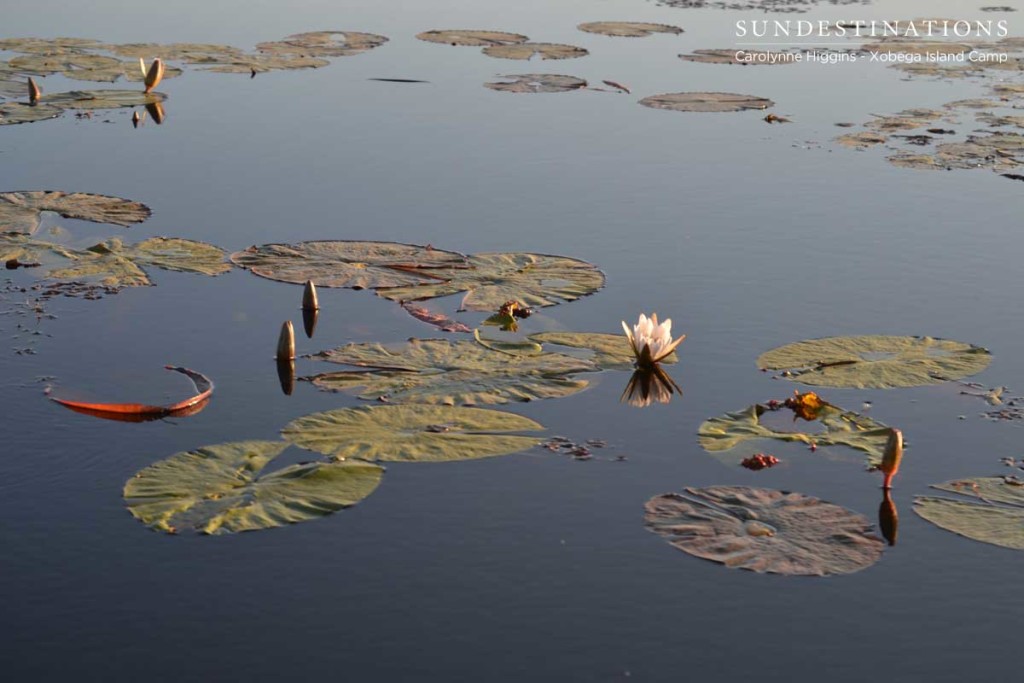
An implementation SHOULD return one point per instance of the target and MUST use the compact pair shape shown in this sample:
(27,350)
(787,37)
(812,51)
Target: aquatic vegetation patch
(471,38)
(875,361)
(765,530)
(628,29)
(20,211)
(740,57)
(412,433)
(438,371)
(609,351)
(526,51)
(223,489)
(706,102)
(534,83)
(985,509)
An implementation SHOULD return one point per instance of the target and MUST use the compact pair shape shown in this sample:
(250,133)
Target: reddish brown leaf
(438,320)
(139,412)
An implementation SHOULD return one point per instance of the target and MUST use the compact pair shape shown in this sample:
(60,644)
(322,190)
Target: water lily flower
(651,341)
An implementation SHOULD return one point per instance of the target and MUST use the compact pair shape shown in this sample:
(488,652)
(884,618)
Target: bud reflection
(650,385)
(888,518)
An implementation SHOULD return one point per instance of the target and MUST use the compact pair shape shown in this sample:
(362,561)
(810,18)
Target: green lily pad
(627,29)
(876,361)
(115,264)
(190,53)
(12,113)
(721,436)
(530,50)
(20,247)
(536,280)
(64,63)
(48,45)
(20,211)
(102,99)
(537,83)
(263,63)
(221,489)
(437,371)
(610,351)
(471,37)
(988,509)
(764,530)
(706,102)
(352,264)
(325,43)
(412,433)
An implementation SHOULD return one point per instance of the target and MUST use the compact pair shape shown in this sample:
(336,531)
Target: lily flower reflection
(648,386)
(651,342)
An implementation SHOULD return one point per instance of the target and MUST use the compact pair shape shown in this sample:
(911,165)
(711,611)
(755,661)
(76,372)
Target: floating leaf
(202,383)
(530,50)
(325,44)
(875,361)
(729,56)
(908,119)
(536,280)
(861,140)
(706,102)
(251,64)
(720,436)
(101,99)
(220,489)
(353,264)
(472,38)
(763,530)
(191,53)
(412,433)
(438,320)
(516,347)
(12,113)
(65,63)
(48,45)
(627,29)
(538,83)
(610,351)
(22,248)
(115,264)
(988,509)
(20,211)
(437,371)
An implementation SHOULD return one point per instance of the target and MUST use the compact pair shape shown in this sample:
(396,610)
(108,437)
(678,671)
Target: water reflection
(156,112)
(650,385)
(286,375)
(309,318)
(888,518)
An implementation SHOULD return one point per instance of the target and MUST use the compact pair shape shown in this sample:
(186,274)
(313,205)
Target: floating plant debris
(986,509)
(20,211)
(221,489)
(472,38)
(412,433)
(720,436)
(530,50)
(627,29)
(765,530)
(537,83)
(759,461)
(437,371)
(706,102)
(875,361)
(138,412)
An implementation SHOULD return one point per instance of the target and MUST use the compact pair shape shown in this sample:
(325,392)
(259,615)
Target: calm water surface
(530,566)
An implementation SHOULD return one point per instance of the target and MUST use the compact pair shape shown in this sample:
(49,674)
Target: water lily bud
(154,75)
(286,342)
(34,91)
(309,299)
(892,457)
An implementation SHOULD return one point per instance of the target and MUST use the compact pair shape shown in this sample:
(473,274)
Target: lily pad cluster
(503,45)
(225,488)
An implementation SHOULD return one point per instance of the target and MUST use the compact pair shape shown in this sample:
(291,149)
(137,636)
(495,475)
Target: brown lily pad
(764,530)
(472,38)
(628,29)
(12,113)
(534,83)
(706,102)
(20,211)
(732,56)
(531,50)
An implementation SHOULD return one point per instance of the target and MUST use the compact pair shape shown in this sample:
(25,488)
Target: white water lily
(651,342)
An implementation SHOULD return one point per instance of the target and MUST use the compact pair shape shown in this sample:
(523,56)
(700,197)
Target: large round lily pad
(537,83)
(437,371)
(627,29)
(12,113)
(610,351)
(102,99)
(876,361)
(20,211)
(353,264)
(987,509)
(325,43)
(535,280)
(530,50)
(721,435)
(221,489)
(116,264)
(65,63)
(706,102)
(471,37)
(764,530)
(415,433)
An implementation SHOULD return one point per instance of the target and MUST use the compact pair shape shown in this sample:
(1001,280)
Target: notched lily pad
(471,37)
(986,509)
(876,361)
(627,29)
(610,351)
(530,50)
(352,264)
(20,211)
(221,489)
(537,83)
(535,280)
(437,371)
(412,433)
(115,264)
(706,102)
(722,435)
(764,530)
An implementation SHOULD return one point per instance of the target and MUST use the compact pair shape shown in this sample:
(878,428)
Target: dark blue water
(530,566)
